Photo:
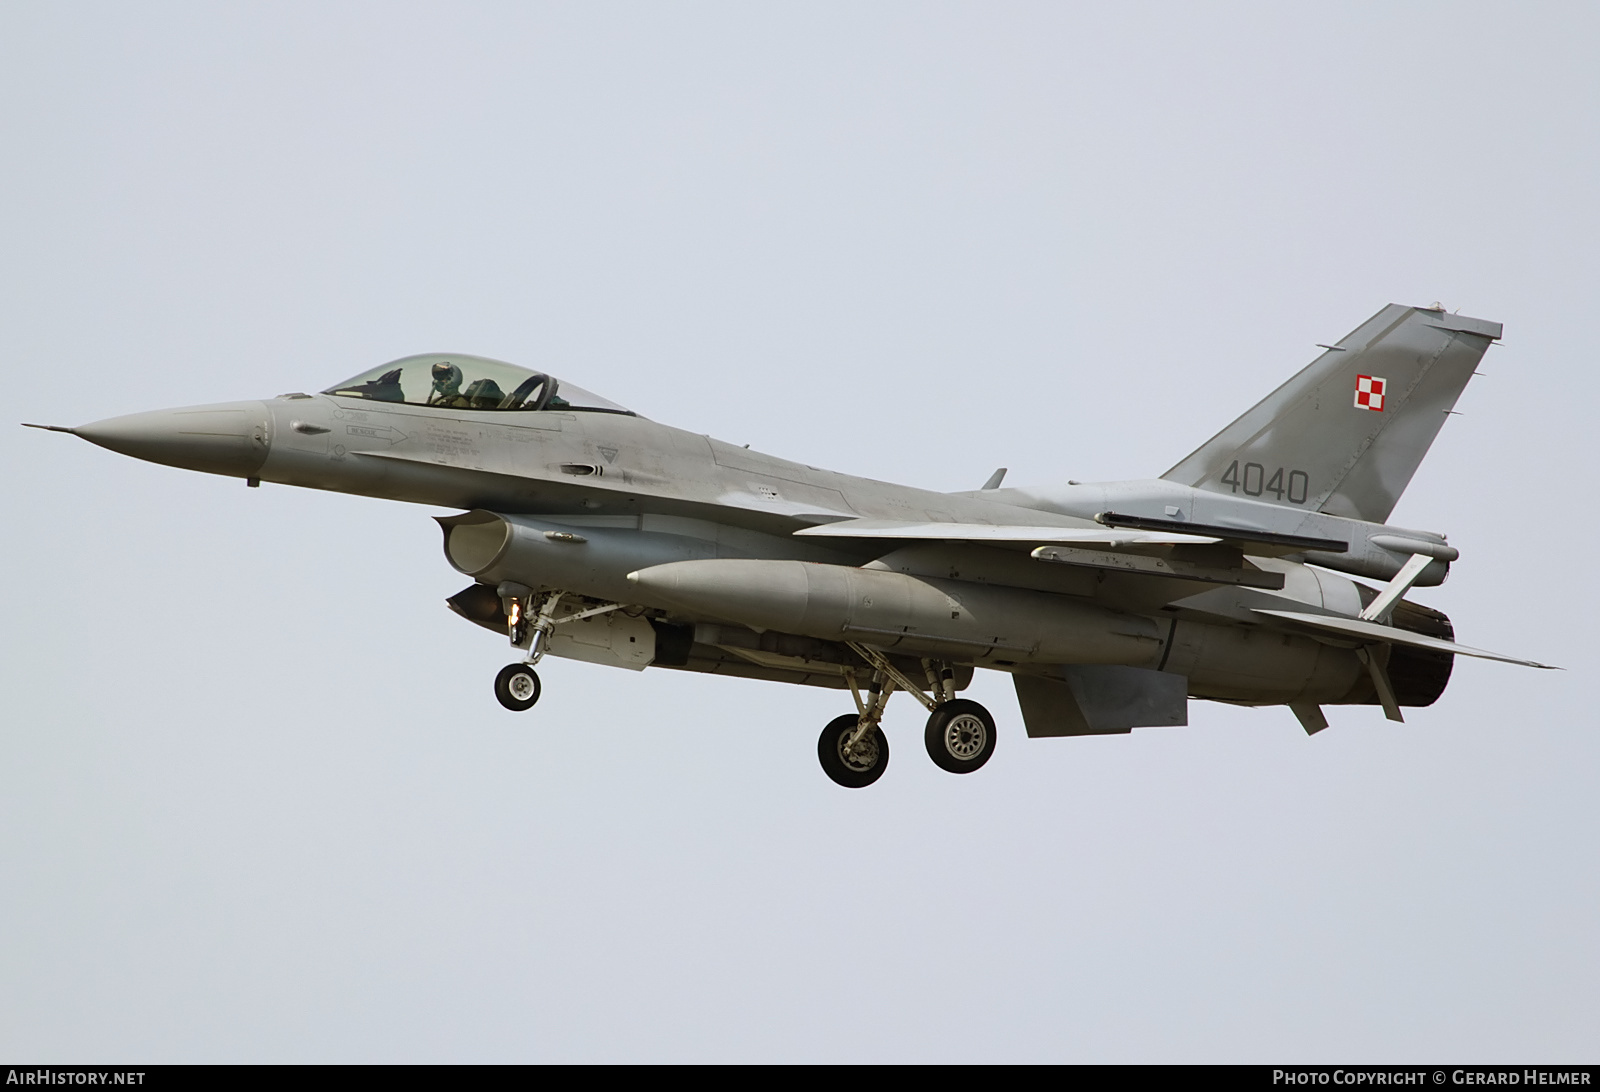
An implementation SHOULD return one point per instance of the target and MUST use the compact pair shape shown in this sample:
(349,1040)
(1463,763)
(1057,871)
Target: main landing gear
(853,758)
(853,750)
(960,736)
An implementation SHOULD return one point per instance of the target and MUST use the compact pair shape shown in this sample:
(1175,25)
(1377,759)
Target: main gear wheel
(960,736)
(853,767)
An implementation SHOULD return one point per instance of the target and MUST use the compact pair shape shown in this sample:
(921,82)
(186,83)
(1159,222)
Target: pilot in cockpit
(446,386)
(480,393)
(457,381)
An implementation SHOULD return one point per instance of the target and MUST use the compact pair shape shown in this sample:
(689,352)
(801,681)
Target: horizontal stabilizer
(1354,629)
(988,532)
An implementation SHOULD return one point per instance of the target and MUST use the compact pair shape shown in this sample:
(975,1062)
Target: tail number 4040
(1292,485)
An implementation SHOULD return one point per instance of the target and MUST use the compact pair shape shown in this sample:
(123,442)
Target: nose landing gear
(517,686)
(530,619)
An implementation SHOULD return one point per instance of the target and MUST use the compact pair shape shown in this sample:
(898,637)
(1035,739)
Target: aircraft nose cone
(229,438)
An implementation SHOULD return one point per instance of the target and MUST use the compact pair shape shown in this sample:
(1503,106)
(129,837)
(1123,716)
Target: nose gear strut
(530,620)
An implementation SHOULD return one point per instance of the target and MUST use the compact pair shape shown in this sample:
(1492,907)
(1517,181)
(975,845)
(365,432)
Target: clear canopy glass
(459,381)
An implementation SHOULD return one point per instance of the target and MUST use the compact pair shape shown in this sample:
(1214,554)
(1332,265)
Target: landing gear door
(613,639)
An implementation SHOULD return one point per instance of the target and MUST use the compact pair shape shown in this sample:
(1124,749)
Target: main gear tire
(960,736)
(517,687)
(859,768)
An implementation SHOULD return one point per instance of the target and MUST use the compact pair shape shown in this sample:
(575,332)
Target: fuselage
(634,481)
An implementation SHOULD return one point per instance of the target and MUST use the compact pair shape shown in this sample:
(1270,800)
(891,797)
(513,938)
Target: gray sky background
(259,803)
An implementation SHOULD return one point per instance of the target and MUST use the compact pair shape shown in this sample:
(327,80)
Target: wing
(1116,530)
(1124,549)
(993,534)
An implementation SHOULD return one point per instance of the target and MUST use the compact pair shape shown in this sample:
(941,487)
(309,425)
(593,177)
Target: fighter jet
(592,533)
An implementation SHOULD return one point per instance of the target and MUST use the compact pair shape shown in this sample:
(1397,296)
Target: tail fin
(1346,434)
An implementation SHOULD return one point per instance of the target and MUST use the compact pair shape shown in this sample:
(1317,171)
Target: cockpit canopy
(459,381)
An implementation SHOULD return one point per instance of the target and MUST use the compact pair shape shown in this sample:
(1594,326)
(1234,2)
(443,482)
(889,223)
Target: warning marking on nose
(388,435)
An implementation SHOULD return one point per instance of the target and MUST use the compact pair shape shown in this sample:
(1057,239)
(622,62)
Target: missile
(921,615)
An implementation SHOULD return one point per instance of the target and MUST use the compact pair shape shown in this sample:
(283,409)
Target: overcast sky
(258,801)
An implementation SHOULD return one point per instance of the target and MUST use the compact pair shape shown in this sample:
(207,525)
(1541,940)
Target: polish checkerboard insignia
(1369,392)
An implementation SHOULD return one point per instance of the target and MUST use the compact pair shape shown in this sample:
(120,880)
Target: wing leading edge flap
(1356,630)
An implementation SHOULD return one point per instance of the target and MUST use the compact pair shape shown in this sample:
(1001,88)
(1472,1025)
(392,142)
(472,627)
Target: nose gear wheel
(517,687)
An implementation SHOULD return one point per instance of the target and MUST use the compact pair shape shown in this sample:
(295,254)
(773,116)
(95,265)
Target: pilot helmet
(446,376)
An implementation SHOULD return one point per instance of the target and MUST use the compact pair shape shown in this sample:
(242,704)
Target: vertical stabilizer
(1346,434)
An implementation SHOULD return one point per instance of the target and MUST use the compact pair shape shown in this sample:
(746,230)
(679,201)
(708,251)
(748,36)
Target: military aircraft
(593,533)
